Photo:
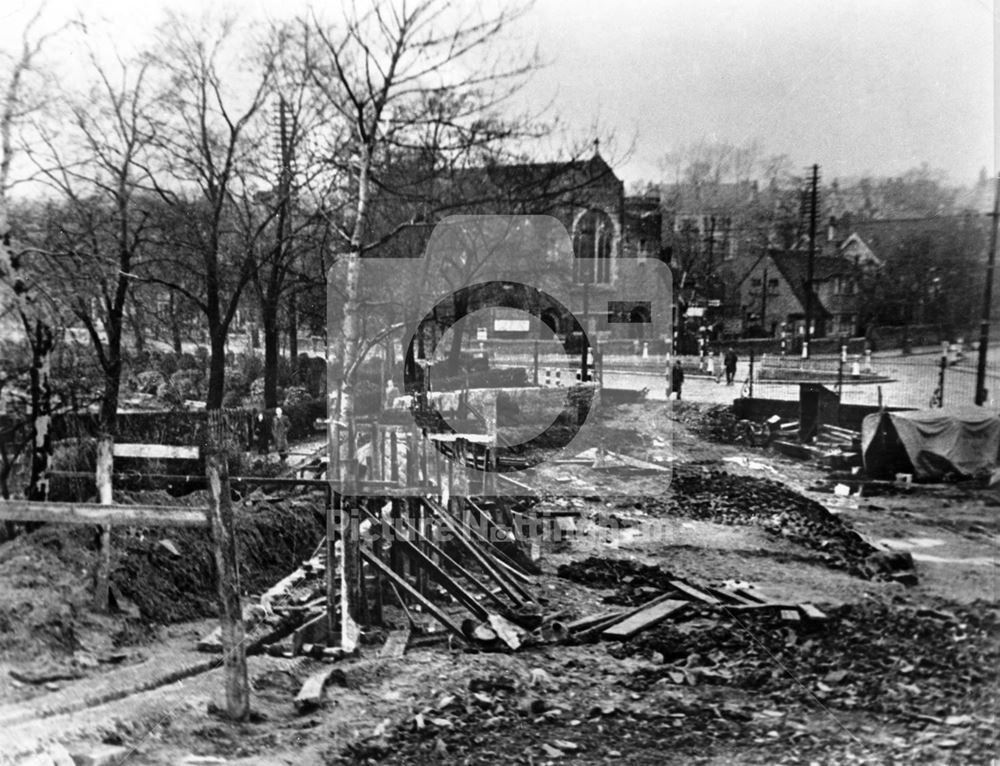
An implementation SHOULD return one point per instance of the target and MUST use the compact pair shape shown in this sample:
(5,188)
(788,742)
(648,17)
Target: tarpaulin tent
(957,441)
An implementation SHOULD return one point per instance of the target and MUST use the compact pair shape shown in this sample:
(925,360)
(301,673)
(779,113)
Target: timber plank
(695,593)
(109,515)
(511,588)
(310,696)
(644,619)
(157,451)
(451,585)
(811,612)
(395,644)
(429,606)
(593,619)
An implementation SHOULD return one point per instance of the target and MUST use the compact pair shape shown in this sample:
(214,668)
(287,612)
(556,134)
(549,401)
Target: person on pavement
(676,378)
(280,431)
(262,432)
(730,364)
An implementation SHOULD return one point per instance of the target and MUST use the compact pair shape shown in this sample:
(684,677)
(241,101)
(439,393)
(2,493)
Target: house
(771,291)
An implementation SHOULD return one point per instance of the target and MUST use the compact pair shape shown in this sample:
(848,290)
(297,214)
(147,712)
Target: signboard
(511,325)
(481,333)
(696,311)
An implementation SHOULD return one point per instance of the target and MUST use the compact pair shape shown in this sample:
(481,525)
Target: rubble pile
(634,582)
(502,719)
(716,422)
(726,498)
(934,665)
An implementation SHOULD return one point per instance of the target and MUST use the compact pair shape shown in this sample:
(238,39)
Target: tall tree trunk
(216,369)
(175,325)
(41,410)
(269,320)
(293,329)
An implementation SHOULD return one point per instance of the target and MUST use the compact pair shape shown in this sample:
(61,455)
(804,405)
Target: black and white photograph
(529,382)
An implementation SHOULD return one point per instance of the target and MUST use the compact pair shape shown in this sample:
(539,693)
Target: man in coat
(280,432)
(730,364)
(676,378)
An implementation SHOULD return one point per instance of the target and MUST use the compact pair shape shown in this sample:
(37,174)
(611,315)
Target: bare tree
(404,77)
(98,166)
(21,99)
(210,131)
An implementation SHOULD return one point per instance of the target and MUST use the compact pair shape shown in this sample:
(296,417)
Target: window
(592,237)
(756,282)
(772,284)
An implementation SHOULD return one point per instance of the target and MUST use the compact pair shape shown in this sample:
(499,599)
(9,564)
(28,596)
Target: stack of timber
(458,569)
(674,603)
(836,447)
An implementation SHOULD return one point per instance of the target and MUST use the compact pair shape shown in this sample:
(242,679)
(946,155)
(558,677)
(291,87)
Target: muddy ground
(898,674)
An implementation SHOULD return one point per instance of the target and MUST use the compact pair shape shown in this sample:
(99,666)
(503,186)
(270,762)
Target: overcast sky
(858,86)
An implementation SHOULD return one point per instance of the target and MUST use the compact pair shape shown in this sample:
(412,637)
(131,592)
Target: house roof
(537,184)
(794,267)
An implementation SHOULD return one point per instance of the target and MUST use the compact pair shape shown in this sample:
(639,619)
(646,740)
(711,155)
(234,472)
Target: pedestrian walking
(262,434)
(676,378)
(730,363)
(280,431)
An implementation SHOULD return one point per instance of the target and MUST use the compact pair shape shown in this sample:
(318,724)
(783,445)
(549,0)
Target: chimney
(831,232)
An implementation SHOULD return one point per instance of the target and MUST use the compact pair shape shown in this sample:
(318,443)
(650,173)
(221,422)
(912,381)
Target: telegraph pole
(984,326)
(807,335)
(763,302)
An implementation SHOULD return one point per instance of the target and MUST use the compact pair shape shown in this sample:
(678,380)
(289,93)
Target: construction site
(686,597)
(353,412)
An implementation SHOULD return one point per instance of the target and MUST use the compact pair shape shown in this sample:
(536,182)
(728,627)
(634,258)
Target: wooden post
(220,519)
(393,456)
(375,510)
(350,555)
(437,468)
(425,478)
(333,504)
(105,468)
(534,362)
(492,414)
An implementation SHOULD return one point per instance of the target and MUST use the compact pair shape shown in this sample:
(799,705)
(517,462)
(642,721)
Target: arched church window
(592,238)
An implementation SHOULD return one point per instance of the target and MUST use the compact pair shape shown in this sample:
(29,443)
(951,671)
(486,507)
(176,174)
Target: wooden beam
(593,619)
(443,579)
(644,620)
(429,606)
(395,645)
(105,492)
(113,515)
(695,593)
(311,694)
(812,612)
(513,591)
(443,556)
(219,514)
(157,451)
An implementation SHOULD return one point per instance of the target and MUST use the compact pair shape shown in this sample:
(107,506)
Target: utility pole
(984,325)
(763,302)
(807,336)
(286,160)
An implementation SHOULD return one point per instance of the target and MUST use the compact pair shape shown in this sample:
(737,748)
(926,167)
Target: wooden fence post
(350,551)
(220,519)
(103,475)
